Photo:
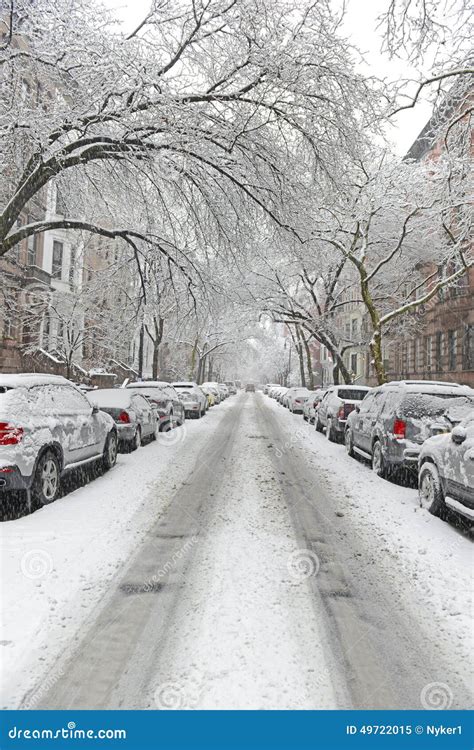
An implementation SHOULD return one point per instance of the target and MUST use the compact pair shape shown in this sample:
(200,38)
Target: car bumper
(125,432)
(12,479)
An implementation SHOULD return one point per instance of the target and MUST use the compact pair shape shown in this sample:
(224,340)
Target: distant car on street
(446,471)
(190,386)
(250,388)
(334,408)
(312,403)
(133,414)
(268,386)
(165,400)
(47,428)
(394,420)
(295,398)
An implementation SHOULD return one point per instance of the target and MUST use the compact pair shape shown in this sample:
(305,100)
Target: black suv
(393,420)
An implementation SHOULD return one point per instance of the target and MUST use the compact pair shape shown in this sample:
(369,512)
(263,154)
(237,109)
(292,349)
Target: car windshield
(351,395)
(419,405)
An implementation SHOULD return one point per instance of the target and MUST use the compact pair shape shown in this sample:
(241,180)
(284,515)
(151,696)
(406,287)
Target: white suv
(47,427)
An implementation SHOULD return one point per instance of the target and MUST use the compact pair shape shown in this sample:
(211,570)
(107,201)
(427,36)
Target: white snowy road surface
(252,564)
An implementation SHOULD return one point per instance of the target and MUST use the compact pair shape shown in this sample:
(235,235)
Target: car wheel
(430,491)
(330,432)
(46,482)
(319,426)
(348,443)
(109,457)
(378,461)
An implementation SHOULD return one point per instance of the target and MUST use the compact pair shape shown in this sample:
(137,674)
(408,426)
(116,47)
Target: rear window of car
(351,395)
(151,392)
(114,397)
(418,405)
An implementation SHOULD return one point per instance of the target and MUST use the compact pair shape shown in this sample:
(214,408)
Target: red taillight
(399,428)
(10,435)
(6,470)
(298,401)
(123,417)
(341,413)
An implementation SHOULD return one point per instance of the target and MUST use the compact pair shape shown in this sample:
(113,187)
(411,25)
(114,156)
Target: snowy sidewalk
(58,562)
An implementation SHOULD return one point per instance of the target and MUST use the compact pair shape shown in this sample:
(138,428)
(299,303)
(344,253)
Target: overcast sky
(360,27)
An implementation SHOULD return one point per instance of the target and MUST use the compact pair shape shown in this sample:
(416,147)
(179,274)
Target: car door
(81,429)
(458,466)
(144,413)
(366,420)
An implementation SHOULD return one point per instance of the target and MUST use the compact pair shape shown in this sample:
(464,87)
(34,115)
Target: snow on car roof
(430,386)
(148,384)
(28,379)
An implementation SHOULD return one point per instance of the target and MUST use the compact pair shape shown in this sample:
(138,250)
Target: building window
(452,350)
(439,352)
(468,348)
(32,245)
(428,354)
(355,328)
(354,364)
(57,267)
(348,331)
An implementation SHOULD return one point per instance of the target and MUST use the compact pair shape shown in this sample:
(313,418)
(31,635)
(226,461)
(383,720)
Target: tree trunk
(299,349)
(140,351)
(156,351)
(375,345)
(309,363)
(210,370)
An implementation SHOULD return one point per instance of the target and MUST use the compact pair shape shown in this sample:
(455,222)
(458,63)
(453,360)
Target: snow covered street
(240,562)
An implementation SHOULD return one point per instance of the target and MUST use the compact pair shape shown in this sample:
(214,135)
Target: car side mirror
(458,434)
(95,409)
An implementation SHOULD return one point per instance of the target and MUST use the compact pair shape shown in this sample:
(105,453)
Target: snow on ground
(425,561)
(57,562)
(245,633)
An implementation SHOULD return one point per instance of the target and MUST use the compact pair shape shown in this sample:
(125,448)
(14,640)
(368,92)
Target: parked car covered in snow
(48,427)
(191,403)
(395,419)
(311,404)
(335,406)
(224,390)
(133,414)
(267,388)
(294,399)
(197,392)
(165,400)
(446,471)
(214,389)
(232,387)
(211,395)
